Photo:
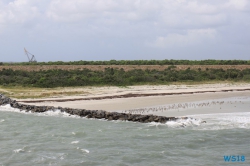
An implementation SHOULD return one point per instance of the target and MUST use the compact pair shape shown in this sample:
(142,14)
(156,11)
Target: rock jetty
(97,114)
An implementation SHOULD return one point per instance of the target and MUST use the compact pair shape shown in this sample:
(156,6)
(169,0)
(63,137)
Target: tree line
(140,62)
(116,77)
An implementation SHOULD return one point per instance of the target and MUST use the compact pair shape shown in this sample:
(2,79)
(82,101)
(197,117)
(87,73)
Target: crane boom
(32,59)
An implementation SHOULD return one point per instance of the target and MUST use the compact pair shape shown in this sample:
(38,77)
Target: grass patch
(19,92)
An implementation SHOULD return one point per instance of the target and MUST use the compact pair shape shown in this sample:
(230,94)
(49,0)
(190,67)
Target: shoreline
(95,114)
(120,99)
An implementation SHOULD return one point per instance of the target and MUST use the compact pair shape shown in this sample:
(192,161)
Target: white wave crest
(7,107)
(185,122)
(85,150)
(74,142)
(18,150)
(56,113)
(180,123)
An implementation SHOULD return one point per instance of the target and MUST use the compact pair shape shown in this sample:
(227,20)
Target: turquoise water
(58,139)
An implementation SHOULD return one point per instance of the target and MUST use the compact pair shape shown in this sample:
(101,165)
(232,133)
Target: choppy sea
(54,138)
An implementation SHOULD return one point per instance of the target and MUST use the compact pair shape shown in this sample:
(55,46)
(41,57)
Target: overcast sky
(71,30)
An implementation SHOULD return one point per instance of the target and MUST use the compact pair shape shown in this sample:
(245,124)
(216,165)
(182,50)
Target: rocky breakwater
(97,114)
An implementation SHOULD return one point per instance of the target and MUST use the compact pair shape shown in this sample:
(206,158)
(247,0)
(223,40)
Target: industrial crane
(32,59)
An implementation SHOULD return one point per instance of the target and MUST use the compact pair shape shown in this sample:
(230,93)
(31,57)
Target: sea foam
(225,121)
(57,112)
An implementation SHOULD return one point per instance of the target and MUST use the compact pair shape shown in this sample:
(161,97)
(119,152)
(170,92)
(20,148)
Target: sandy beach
(125,99)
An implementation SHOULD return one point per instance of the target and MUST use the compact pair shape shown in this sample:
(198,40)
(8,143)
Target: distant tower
(32,59)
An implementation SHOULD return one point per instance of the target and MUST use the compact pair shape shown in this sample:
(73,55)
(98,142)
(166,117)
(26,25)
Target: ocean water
(53,138)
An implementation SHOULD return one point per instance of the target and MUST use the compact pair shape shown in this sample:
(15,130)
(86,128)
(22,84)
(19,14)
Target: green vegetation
(142,62)
(118,77)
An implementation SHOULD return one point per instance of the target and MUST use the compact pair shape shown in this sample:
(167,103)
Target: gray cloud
(125,29)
